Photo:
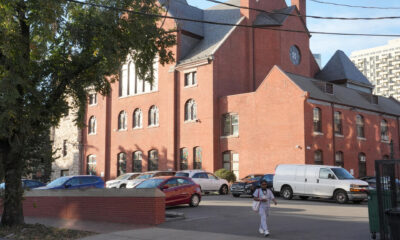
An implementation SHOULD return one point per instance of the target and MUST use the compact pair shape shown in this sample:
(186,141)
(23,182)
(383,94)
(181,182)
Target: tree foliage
(53,49)
(226,174)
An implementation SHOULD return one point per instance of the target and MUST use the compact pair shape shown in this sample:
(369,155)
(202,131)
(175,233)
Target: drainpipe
(333,134)
(398,133)
(253,64)
(176,73)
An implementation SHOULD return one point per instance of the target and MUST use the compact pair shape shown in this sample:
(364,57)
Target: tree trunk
(12,200)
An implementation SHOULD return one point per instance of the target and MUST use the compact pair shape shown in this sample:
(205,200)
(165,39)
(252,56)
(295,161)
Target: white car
(207,181)
(120,182)
(318,181)
(134,182)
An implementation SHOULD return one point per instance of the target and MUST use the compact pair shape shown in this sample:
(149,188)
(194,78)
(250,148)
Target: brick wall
(130,206)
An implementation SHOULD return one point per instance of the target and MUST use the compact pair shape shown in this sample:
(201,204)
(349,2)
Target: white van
(319,181)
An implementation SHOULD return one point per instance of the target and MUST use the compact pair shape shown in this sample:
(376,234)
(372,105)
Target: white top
(264,194)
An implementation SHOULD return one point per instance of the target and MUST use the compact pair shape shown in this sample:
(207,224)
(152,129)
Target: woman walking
(264,195)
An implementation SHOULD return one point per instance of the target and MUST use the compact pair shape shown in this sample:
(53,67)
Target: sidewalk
(117,231)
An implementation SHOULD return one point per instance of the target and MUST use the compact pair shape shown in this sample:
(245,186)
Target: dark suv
(247,185)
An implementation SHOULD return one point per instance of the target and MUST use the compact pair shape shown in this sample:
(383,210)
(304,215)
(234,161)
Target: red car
(178,190)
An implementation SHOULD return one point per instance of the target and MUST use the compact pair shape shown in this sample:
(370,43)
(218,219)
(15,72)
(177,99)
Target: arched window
(338,123)
(197,158)
(137,118)
(93,99)
(122,121)
(190,110)
(153,160)
(121,164)
(92,125)
(384,130)
(339,159)
(360,126)
(153,116)
(184,158)
(91,165)
(227,160)
(137,161)
(317,119)
(362,165)
(318,157)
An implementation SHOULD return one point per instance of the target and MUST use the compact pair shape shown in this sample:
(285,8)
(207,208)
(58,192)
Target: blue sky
(326,45)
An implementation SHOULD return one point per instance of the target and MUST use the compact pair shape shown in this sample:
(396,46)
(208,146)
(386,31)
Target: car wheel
(341,197)
(122,186)
(287,192)
(304,197)
(223,190)
(194,200)
(235,195)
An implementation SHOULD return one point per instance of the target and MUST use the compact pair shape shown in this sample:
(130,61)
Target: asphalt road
(293,219)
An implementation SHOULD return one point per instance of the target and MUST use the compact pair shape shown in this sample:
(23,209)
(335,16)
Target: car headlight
(248,185)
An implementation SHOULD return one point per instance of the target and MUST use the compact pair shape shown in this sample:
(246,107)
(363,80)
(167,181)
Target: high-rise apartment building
(381,65)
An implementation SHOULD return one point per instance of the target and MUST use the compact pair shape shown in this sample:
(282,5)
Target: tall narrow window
(184,158)
(384,130)
(230,124)
(65,148)
(227,160)
(360,126)
(123,81)
(318,157)
(153,116)
(121,164)
(190,110)
(197,158)
(122,121)
(93,99)
(338,123)
(190,79)
(362,165)
(317,120)
(137,161)
(91,165)
(92,125)
(339,159)
(137,118)
(153,160)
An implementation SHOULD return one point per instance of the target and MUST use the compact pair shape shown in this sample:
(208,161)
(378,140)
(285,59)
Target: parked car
(121,181)
(385,181)
(319,181)
(27,184)
(178,190)
(207,181)
(371,181)
(248,184)
(74,182)
(134,182)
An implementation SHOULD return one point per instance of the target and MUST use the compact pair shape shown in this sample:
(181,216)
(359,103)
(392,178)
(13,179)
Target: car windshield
(252,177)
(145,176)
(123,177)
(58,182)
(182,174)
(151,183)
(342,173)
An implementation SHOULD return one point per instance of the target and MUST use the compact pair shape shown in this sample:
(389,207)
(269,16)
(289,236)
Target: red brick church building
(245,99)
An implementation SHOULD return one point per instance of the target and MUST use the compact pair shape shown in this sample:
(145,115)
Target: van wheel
(194,200)
(341,197)
(287,192)
(223,190)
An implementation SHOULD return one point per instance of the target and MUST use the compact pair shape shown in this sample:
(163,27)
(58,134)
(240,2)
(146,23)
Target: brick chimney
(301,6)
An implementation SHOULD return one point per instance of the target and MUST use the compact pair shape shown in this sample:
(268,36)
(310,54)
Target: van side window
(324,172)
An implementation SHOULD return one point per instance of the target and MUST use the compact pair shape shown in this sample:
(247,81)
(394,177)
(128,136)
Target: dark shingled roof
(270,19)
(340,68)
(345,96)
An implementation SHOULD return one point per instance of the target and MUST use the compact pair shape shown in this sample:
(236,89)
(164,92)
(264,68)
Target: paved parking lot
(294,219)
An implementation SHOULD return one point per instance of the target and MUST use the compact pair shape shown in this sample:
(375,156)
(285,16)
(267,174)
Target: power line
(354,6)
(229,24)
(307,16)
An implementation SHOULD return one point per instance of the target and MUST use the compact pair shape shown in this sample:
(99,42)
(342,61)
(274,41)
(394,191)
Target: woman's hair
(263,181)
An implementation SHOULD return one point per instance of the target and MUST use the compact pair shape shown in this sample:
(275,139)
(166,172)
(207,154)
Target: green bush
(225,174)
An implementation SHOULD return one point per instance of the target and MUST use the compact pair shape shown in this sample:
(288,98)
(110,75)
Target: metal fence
(388,191)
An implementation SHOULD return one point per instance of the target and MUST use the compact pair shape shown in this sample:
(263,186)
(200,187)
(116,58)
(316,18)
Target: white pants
(264,212)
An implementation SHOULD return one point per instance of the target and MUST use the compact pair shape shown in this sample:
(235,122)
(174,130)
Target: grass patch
(41,232)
